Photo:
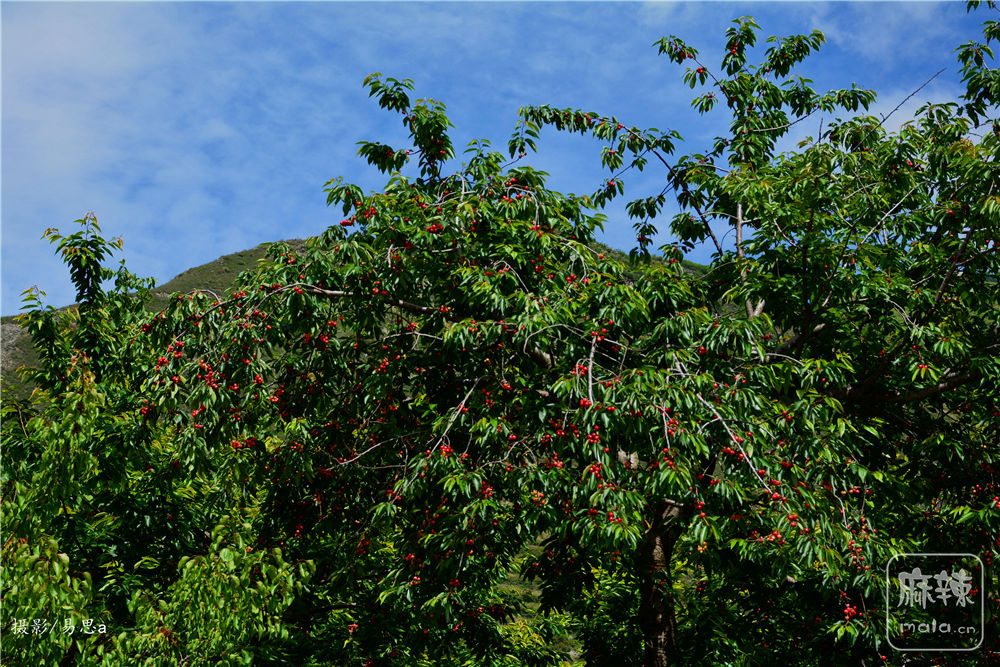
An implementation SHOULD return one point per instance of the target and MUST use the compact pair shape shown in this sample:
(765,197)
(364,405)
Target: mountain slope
(217,276)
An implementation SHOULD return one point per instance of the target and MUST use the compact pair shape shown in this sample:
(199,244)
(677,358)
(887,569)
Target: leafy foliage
(343,461)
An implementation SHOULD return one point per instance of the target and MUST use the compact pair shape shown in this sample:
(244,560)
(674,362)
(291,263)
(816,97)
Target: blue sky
(198,129)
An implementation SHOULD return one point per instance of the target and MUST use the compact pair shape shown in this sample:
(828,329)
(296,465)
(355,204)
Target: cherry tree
(343,460)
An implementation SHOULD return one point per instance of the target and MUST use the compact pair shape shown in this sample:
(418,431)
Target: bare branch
(865,393)
(951,271)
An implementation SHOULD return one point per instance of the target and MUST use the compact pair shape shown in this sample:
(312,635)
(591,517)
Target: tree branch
(543,359)
(866,393)
(793,342)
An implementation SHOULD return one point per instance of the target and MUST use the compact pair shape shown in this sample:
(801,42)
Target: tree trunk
(656,603)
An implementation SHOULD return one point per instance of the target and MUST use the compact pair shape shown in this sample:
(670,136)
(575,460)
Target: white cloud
(197,129)
(893,32)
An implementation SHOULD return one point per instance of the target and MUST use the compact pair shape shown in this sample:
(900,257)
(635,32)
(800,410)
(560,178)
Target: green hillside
(217,276)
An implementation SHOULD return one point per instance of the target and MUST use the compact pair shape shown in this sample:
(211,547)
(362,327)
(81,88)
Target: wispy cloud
(894,34)
(195,129)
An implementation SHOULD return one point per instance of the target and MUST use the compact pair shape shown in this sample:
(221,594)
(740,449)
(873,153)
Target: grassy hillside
(217,276)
